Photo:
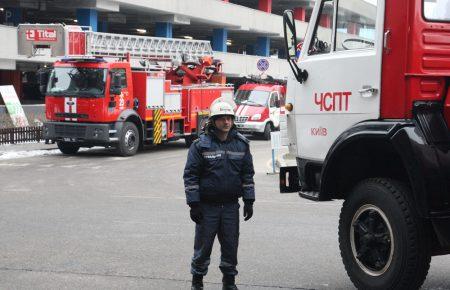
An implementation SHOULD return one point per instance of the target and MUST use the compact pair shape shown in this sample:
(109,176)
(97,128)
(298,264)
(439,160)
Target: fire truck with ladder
(368,118)
(122,91)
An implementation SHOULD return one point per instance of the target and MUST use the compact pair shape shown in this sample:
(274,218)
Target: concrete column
(103,26)
(263,46)
(300,14)
(13,16)
(265,5)
(219,42)
(87,17)
(325,21)
(163,29)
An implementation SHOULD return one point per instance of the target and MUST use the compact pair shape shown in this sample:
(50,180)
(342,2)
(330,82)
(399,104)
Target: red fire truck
(368,118)
(122,90)
(260,103)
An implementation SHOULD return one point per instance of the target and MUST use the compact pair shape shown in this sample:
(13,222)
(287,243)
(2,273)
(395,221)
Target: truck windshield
(252,98)
(75,81)
(436,10)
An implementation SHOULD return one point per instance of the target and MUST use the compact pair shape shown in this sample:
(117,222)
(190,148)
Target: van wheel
(128,140)
(383,242)
(267,130)
(67,147)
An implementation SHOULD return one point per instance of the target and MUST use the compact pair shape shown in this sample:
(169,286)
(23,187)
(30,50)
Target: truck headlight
(256,117)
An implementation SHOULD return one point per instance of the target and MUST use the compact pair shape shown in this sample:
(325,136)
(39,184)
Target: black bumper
(80,132)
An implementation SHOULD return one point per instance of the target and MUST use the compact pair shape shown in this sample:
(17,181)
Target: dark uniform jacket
(217,171)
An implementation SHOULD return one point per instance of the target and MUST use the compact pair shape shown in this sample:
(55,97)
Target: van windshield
(436,10)
(252,98)
(75,81)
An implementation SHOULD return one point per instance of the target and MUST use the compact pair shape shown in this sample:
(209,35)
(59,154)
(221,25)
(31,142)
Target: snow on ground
(22,154)
(7,155)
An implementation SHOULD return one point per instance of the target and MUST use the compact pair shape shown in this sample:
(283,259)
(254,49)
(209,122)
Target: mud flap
(289,179)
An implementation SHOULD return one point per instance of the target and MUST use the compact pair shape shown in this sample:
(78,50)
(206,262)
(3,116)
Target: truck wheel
(67,148)
(128,140)
(267,130)
(383,242)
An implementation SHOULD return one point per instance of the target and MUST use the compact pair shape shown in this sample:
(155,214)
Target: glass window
(273,99)
(123,76)
(321,42)
(438,10)
(251,98)
(76,81)
(356,24)
(282,99)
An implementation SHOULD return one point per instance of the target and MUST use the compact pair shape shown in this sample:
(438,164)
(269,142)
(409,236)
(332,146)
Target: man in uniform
(218,171)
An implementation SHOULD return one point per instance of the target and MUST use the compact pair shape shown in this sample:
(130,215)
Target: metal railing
(21,135)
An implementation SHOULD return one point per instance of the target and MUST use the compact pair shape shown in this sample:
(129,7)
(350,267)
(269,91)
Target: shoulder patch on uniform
(242,138)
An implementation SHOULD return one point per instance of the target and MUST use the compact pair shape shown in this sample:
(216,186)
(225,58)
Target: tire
(267,130)
(383,242)
(68,148)
(129,140)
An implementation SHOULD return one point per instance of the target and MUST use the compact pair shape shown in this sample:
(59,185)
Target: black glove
(248,210)
(196,213)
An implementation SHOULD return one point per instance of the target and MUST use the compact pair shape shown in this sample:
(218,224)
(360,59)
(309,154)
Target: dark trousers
(223,220)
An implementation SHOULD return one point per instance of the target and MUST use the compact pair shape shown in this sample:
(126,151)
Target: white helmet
(221,107)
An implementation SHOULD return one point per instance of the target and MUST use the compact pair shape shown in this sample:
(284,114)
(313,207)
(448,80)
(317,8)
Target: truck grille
(241,119)
(70,131)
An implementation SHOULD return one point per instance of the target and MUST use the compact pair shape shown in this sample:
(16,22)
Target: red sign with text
(332,101)
(41,34)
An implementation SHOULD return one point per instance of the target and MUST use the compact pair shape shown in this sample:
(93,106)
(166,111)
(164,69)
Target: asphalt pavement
(99,221)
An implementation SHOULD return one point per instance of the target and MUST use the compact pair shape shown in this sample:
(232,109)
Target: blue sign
(262,64)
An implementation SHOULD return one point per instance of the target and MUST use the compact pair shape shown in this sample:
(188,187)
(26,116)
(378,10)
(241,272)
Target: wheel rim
(372,240)
(130,139)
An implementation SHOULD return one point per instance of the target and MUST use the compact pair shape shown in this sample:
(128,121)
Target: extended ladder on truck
(78,41)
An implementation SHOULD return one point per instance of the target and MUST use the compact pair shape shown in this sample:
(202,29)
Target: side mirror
(290,34)
(43,75)
(290,41)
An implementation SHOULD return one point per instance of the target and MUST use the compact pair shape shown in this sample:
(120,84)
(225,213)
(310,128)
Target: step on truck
(122,91)
(368,116)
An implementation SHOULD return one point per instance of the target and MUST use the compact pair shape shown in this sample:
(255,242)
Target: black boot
(197,282)
(228,283)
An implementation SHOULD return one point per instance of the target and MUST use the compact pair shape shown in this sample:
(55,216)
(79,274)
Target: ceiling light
(229,42)
(75,20)
(2,9)
(140,30)
(188,37)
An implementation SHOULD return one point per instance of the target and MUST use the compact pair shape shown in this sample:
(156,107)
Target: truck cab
(368,121)
(88,91)
(259,107)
